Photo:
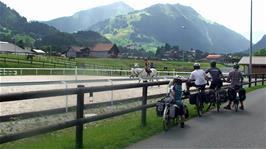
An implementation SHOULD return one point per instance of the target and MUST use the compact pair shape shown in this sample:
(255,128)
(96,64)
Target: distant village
(99,50)
(104,50)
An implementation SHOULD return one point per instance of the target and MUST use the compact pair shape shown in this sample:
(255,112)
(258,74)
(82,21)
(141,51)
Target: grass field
(113,63)
(113,133)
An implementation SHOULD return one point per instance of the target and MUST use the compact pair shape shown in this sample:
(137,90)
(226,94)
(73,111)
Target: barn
(104,50)
(258,64)
(76,51)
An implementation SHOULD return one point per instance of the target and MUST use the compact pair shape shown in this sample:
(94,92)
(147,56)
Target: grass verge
(113,133)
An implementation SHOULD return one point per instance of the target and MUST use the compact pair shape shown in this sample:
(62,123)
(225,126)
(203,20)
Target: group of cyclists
(199,79)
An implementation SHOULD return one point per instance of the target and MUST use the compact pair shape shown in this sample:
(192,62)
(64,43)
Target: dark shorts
(181,109)
(216,84)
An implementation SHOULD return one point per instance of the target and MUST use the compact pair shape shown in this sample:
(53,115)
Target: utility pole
(250,52)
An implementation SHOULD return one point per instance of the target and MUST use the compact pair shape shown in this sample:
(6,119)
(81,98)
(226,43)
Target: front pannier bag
(242,94)
(192,99)
(160,108)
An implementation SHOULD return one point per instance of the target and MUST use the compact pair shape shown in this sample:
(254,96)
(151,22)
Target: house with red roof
(104,50)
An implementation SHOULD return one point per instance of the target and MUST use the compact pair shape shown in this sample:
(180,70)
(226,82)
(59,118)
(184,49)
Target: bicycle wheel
(182,124)
(198,106)
(166,119)
(236,105)
(218,102)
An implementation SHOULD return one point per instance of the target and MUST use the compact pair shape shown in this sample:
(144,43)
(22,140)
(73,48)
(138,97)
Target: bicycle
(217,99)
(199,100)
(169,116)
(166,113)
(236,99)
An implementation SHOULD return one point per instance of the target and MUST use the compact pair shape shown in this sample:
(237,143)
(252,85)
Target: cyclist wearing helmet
(216,76)
(199,76)
(147,65)
(236,78)
(176,93)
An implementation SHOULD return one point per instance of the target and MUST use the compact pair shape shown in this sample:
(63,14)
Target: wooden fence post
(80,114)
(263,79)
(144,102)
(249,80)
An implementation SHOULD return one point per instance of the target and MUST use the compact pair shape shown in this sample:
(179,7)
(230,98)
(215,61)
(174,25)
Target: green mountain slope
(14,28)
(84,19)
(260,44)
(173,24)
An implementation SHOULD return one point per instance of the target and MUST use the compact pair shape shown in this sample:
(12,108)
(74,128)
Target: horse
(141,73)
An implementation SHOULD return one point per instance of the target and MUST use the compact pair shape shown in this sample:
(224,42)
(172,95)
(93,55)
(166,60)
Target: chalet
(104,50)
(6,47)
(258,64)
(76,51)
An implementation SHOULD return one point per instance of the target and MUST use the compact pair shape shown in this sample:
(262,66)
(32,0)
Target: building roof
(76,48)
(213,56)
(11,48)
(38,51)
(256,60)
(102,47)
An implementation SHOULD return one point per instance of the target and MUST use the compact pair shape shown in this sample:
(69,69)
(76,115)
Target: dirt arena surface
(15,107)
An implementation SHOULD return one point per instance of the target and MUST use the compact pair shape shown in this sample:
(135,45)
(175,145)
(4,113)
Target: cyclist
(176,93)
(216,76)
(199,76)
(236,78)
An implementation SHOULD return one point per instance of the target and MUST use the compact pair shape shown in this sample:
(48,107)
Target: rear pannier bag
(173,111)
(203,97)
(160,108)
(210,96)
(242,94)
(231,94)
(192,99)
(223,95)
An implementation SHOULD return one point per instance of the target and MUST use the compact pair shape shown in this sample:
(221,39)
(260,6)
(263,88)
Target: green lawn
(114,63)
(113,133)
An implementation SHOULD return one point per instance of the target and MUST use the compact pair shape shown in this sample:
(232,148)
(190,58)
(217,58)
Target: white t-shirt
(199,76)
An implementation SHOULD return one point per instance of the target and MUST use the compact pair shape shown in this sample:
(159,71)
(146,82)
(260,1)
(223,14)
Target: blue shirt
(178,93)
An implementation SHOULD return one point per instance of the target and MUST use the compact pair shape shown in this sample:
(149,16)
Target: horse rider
(147,66)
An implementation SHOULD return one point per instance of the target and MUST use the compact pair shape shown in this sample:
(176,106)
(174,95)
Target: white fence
(79,71)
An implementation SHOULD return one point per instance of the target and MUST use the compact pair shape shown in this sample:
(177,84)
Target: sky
(234,14)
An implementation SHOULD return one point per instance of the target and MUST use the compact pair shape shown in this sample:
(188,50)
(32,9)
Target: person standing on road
(236,79)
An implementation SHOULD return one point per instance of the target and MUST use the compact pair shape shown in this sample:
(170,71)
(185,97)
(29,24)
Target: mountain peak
(84,19)
(173,24)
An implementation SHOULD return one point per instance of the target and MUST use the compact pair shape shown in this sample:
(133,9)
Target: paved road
(244,129)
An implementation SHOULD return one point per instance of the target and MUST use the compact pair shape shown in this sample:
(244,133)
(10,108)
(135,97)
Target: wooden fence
(80,119)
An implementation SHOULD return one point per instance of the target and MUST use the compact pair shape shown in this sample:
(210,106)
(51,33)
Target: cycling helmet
(236,66)
(178,80)
(196,66)
(213,64)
